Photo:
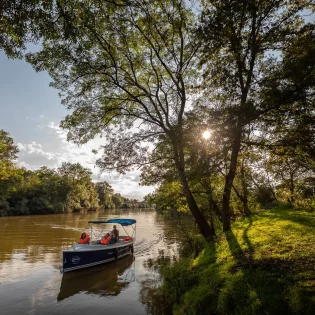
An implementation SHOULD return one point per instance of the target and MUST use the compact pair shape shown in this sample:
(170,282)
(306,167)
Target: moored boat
(87,255)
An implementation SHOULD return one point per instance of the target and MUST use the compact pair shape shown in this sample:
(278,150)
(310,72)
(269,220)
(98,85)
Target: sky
(31,112)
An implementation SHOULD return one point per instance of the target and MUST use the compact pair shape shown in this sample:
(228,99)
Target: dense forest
(67,189)
(214,101)
(266,177)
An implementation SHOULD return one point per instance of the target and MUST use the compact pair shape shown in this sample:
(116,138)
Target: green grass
(265,265)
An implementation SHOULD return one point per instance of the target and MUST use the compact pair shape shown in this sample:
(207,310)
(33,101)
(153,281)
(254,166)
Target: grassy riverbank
(266,265)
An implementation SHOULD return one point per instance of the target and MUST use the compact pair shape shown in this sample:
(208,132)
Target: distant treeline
(67,189)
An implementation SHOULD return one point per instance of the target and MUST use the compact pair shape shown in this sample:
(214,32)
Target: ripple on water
(30,258)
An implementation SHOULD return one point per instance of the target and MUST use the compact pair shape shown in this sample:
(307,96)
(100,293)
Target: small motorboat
(87,255)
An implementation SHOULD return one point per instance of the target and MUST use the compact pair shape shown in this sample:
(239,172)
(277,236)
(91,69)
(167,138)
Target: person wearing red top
(105,240)
(85,239)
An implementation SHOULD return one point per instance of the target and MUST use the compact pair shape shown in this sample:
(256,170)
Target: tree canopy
(151,76)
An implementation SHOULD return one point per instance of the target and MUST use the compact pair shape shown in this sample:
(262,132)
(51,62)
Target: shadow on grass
(246,238)
(243,258)
(211,254)
(305,220)
(235,248)
(266,285)
(234,285)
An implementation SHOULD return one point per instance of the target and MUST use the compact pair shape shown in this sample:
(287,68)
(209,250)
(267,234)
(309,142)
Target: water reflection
(149,291)
(30,259)
(150,298)
(108,279)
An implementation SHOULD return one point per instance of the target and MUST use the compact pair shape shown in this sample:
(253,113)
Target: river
(30,260)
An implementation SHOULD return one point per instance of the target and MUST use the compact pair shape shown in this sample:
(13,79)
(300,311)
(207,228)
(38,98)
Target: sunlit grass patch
(266,264)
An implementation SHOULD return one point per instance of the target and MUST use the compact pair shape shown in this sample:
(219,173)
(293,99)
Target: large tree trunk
(243,199)
(226,216)
(207,232)
(245,190)
(213,207)
(292,190)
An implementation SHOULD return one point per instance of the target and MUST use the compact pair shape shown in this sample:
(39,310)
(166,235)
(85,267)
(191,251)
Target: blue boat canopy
(123,222)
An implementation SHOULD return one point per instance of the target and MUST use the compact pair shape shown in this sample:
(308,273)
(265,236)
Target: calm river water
(30,261)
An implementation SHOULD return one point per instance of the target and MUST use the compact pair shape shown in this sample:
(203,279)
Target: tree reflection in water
(107,279)
(149,292)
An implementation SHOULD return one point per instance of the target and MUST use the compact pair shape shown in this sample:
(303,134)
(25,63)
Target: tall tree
(125,69)
(78,188)
(287,132)
(105,192)
(8,170)
(239,39)
(289,168)
(8,151)
(292,86)
(118,200)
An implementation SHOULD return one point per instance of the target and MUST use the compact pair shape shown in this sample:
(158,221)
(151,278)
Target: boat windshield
(122,222)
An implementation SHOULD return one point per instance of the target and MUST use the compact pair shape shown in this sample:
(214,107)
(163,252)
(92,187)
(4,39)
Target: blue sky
(31,111)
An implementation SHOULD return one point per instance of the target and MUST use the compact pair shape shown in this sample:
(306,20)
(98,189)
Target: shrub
(40,205)
(21,207)
(264,195)
(4,208)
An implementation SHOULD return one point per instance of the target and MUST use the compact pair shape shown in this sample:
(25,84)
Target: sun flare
(206,134)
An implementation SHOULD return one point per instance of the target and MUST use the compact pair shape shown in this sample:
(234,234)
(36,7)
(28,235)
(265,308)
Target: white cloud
(34,155)
(41,116)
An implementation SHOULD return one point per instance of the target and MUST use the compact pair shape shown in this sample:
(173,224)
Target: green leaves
(22,22)
(8,151)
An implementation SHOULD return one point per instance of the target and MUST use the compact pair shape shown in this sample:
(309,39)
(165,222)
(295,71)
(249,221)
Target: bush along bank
(265,265)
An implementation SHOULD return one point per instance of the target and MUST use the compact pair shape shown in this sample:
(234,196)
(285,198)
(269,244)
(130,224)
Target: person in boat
(85,239)
(114,235)
(106,239)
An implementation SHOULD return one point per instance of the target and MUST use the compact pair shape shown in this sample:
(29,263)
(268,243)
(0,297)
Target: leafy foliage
(125,69)
(22,22)
(105,194)
(131,71)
